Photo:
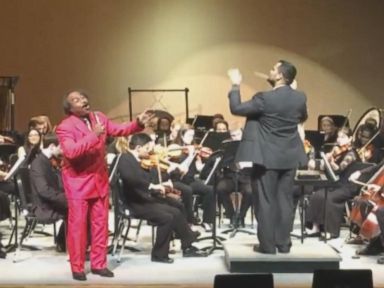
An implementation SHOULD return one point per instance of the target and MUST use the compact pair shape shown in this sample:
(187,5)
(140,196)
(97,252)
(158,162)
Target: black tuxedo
(142,205)
(49,199)
(48,196)
(272,143)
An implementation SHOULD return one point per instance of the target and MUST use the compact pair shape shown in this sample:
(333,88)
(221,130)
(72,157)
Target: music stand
(316,139)
(201,124)
(325,180)
(229,151)
(21,162)
(214,140)
(213,177)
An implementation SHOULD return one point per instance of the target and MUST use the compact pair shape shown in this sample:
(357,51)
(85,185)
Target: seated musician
(221,126)
(192,165)
(340,158)
(225,186)
(140,199)
(217,118)
(376,244)
(49,198)
(33,137)
(41,123)
(328,127)
(5,213)
(163,131)
(365,144)
(184,201)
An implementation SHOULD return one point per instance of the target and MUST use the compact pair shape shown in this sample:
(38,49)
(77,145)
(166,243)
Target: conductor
(272,143)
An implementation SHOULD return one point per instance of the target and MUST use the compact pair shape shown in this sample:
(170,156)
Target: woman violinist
(341,160)
(193,163)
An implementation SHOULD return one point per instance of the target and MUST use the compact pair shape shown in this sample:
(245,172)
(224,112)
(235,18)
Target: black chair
(353,278)
(123,218)
(243,281)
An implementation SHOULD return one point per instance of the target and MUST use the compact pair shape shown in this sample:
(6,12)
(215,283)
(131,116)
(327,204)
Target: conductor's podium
(303,258)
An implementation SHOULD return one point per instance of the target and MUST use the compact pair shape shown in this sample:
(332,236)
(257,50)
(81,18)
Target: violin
(366,153)
(339,150)
(154,161)
(174,151)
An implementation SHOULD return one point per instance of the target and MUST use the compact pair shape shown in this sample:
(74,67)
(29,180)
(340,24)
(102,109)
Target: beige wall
(105,46)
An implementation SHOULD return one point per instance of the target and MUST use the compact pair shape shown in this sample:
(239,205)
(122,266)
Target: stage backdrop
(106,46)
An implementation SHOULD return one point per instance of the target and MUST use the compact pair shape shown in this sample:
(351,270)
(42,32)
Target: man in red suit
(82,135)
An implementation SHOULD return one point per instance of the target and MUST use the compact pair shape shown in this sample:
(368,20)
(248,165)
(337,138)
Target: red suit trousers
(79,211)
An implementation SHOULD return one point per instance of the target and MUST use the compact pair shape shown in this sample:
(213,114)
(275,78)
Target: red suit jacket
(84,172)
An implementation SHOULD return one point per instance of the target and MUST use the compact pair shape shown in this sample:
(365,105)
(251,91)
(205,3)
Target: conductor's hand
(145,117)
(235,76)
(99,129)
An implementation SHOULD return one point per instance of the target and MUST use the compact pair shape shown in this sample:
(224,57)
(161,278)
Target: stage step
(303,258)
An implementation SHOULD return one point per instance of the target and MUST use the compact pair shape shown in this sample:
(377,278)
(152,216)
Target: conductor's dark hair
(139,139)
(50,138)
(67,105)
(288,70)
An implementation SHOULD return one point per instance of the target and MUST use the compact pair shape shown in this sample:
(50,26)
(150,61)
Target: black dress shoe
(192,251)
(355,241)
(380,260)
(195,235)
(258,249)
(166,260)
(105,272)
(3,255)
(284,250)
(314,234)
(329,236)
(79,276)
(369,250)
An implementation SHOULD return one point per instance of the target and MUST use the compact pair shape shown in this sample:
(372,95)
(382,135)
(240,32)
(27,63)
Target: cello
(364,218)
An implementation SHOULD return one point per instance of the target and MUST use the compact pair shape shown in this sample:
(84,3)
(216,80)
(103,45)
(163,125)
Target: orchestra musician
(341,158)
(272,143)
(49,198)
(82,136)
(33,138)
(41,123)
(191,165)
(365,144)
(328,127)
(375,245)
(142,198)
(163,131)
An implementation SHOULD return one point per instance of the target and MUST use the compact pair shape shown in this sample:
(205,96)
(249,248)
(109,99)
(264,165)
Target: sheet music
(244,164)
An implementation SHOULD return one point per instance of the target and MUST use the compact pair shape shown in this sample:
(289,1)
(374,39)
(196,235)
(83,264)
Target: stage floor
(46,266)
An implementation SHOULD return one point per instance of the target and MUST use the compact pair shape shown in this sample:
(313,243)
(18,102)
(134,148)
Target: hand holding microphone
(99,129)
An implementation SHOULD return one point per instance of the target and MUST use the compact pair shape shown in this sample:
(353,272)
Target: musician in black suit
(272,143)
(49,199)
(141,197)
